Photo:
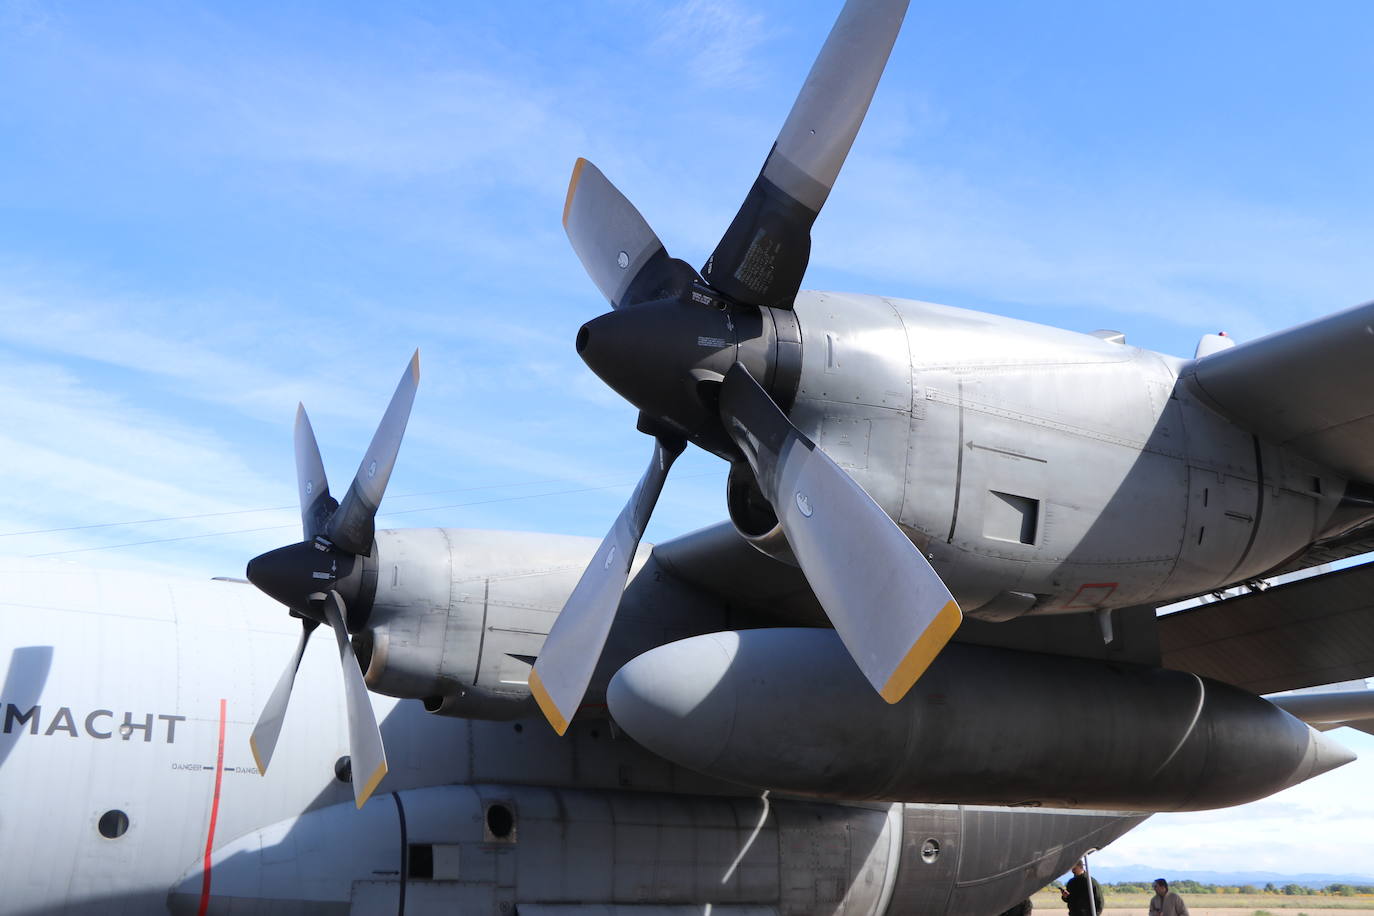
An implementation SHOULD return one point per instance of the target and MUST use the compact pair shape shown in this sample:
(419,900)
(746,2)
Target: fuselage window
(113,824)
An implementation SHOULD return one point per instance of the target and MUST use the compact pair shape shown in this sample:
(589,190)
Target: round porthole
(113,824)
(930,851)
(343,769)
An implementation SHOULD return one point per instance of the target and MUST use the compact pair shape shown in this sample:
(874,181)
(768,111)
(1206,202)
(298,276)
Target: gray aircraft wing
(1311,632)
(1301,634)
(720,563)
(1325,711)
(1349,544)
(1306,388)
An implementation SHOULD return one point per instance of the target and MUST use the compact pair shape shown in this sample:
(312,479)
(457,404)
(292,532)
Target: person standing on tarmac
(1076,894)
(1166,902)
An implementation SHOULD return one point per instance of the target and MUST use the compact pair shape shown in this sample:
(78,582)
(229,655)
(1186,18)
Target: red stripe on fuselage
(214,816)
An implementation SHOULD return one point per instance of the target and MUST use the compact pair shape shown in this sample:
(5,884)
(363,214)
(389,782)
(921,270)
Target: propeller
(263,740)
(714,359)
(330,577)
(888,605)
(317,506)
(566,663)
(620,252)
(366,755)
(762,256)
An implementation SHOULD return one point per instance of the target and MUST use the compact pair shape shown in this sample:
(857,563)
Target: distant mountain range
(1109,874)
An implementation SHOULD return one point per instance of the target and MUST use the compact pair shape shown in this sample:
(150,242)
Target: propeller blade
(568,659)
(365,751)
(263,741)
(762,256)
(353,525)
(615,244)
(888,605)
(316,503)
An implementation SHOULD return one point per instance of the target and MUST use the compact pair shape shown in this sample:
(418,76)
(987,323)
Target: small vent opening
(420,861)
(500,823)
(1009,517)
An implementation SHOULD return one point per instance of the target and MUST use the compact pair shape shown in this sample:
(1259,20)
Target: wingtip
(922,652)
(546,704)
(415,366)
(572,188)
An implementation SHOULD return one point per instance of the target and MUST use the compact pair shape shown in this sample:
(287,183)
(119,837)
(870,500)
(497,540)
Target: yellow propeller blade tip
(922,652)
(572,189)
(547,705)
(371,785)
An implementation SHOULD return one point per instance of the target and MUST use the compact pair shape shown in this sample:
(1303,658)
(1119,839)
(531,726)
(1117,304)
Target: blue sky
(208,213)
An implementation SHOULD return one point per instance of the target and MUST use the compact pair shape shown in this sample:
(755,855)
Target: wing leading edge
(1301,634)
(1333,709)
(1310,388)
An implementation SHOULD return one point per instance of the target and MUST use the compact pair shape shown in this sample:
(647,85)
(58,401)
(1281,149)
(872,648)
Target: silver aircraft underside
(127,681)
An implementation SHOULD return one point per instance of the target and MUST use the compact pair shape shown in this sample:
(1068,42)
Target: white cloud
(1198,263)
(127,409)
(714,40)
(77,456)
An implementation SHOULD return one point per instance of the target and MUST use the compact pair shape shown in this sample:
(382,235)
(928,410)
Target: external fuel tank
(787,709)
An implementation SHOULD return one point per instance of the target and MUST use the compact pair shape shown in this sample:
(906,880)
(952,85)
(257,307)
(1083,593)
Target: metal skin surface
(1331,710)
(983,725)
(594,818)
(1028,460)
(1282,386)
(458,609)
(888,606)
(577,851)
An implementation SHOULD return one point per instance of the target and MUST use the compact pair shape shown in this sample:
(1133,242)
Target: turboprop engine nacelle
(459,616)
(787,709)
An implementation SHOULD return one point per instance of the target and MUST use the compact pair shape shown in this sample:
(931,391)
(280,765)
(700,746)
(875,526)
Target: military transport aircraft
(944,529)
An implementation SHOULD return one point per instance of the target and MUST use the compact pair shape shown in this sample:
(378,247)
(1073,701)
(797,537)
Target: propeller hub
(668,358)
(298,575)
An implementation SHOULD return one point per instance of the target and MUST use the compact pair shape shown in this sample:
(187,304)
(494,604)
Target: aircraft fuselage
(495,816)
